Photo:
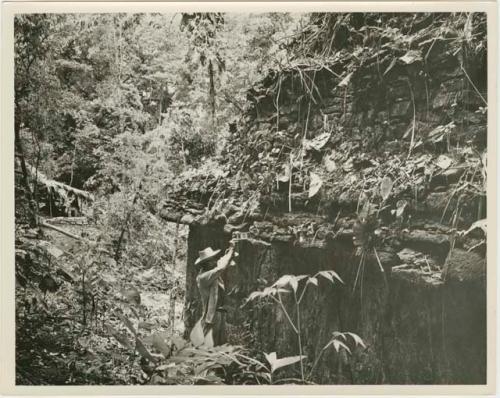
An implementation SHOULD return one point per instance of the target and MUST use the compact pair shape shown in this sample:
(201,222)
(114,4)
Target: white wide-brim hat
(206,254)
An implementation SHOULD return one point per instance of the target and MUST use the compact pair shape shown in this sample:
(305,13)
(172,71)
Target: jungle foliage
(129,107)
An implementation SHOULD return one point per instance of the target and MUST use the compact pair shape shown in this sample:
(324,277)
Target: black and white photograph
(251,198)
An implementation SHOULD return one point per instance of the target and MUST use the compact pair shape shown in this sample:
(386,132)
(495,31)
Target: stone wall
(417,118)
(418,329)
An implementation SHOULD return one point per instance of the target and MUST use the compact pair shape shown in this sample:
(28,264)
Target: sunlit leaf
(285,280)
(391,65)
(285,176)
(481,224)
(196,336)
(337,344)
(330,275)
(313,280)
(166,366)
(386,187)
(210,379)
(315,184)
(318,142)
(122,339)
(161,345)
(346,80)
(444,161)
(367,210)
(411,56)
(141,349)
(357,339)
(400,207)
(282,362)
(330,164)
(282,281)
(179,342)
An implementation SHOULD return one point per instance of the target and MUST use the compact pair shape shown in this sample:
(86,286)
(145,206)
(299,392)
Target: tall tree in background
(87,83)
(32,44)
(202,29)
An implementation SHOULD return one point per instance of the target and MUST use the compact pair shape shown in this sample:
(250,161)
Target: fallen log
(60,230)
(180,218)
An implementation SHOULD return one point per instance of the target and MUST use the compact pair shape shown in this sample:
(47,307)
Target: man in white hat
(212,291)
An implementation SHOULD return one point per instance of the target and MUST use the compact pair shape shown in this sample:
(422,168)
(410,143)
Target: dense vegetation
(115,111)
(116,105)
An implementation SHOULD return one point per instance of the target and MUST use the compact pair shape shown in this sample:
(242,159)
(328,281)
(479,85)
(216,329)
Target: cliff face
(418,329)
(370,159)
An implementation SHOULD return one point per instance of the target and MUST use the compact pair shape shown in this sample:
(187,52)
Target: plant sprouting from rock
(297,286)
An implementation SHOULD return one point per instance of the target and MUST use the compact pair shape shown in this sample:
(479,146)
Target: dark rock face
(418,329)
(463,266)
(419,124)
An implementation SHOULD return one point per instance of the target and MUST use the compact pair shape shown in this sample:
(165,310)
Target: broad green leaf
(141,349)
(179,342)
(337,344)
(280,363)
(330,275)
(210,379)
(339,335)
(54,251)
(157,379)
(386,188)
(315,185)
(132,295)
(285,176)
(286,280)
(367,210)
(482,224)
(294,282)
(357,339)
(313,280)
(196,336)
(411,56)
(345,81)
(318,142)
(66,273)
(205,366)
(282,281)
(391,65)
(166,366)
(254,295)
(122,339)
(444,162)
(329,163)
(145,325)
(161,345)
(400,207)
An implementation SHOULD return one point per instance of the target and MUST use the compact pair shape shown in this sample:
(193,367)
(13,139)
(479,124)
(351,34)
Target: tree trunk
(20,153)
(173,290)
(212,92)
(125,224)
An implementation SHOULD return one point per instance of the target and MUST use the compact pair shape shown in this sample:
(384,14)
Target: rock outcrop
(370,162)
